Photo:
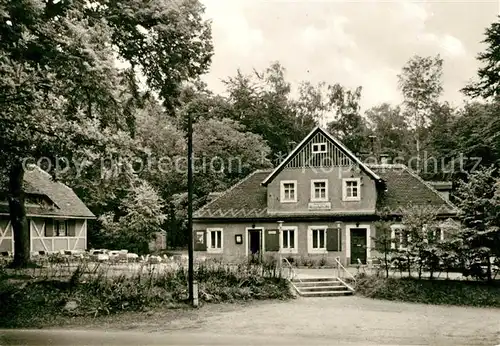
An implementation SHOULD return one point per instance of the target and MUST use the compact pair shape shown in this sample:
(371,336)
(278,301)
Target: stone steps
(321,287)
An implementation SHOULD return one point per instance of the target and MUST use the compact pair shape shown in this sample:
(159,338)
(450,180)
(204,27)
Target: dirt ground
(337,320)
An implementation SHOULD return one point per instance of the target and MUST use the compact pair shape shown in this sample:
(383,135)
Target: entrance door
(358,245)
(254,242)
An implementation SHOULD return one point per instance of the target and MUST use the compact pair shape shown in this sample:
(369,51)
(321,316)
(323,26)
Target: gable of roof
(334,141)
(248,198)
(65,202)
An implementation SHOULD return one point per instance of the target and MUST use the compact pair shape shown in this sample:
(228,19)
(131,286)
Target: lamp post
(280,235)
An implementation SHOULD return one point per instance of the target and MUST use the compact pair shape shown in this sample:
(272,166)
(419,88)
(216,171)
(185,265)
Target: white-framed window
(319,190)
(60,228)
(56,228)
(288,191)
(288,239)
(319,148)
(399,237)
(317,239)
(351,189)
(215,240)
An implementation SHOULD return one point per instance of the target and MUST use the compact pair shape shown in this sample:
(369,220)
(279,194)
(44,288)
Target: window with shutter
(60,228)
(317,239)
(288,238)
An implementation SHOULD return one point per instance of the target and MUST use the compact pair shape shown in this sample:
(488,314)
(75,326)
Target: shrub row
(442,292)
(311,261)
(35,302)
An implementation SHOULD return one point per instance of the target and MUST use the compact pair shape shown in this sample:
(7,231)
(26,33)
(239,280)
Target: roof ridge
(415,175)
(225,192)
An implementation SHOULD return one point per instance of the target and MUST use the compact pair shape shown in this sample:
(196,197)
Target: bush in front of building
(32,302)
(439,292)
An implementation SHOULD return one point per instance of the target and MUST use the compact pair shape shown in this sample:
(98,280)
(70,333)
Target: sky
(355,43)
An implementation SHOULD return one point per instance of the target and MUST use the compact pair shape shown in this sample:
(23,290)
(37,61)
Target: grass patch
(439,292)
(37,302)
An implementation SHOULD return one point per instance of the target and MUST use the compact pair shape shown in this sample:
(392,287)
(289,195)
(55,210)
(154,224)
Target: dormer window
(288,191)
(319,148)
(351,190)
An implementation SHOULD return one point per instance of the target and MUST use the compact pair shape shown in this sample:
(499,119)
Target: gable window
(288,191)
(317,239)
(351,189)
(319,148)
(214,240)
(289,239)
(319,190)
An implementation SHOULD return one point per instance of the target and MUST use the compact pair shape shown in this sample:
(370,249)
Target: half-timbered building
(57,217)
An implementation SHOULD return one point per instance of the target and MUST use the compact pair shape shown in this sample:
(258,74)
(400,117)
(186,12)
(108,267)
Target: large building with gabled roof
(320,201)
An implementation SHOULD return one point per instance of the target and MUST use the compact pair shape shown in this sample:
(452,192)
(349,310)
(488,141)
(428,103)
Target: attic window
(319,148)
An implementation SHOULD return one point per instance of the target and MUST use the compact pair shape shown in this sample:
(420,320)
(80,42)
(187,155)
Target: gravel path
(340,320)
(304,321)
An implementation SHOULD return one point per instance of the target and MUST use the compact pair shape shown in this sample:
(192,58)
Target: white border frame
(295,230)
(209,240)
(348,228)
(309,239)
(327,197)
(319,145)
(262,237)
(344,190)
(282,191)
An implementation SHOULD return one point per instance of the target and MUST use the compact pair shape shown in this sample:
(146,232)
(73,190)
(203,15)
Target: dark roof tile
(404,187)
(66,202)
(248,198)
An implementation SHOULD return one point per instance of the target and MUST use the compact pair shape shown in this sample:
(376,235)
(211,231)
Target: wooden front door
(358,245)
(254,242)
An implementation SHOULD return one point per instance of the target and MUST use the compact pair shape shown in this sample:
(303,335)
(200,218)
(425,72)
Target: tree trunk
(488,270)
(409,266)
(18,217)
(386,260)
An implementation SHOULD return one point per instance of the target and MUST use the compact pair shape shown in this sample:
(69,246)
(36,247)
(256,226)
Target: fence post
(195,294)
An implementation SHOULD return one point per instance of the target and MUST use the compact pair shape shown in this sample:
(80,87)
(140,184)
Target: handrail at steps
(292,271)
(349,287)
(340,266)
